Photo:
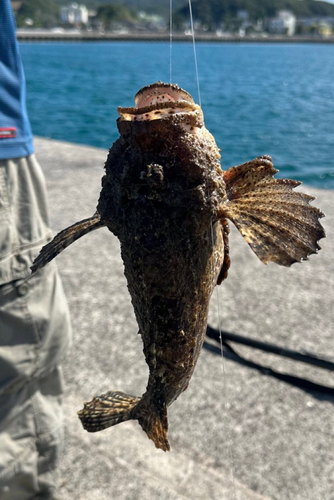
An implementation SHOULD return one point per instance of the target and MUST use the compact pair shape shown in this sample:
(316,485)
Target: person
(34,316)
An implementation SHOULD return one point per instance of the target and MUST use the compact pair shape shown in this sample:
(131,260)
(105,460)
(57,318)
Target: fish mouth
(160,100)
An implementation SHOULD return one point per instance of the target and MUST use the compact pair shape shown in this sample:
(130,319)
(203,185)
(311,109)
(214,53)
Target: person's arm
(15,131)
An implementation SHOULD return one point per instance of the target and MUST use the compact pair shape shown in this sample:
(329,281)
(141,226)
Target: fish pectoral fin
(226,260)
(107,410)
(63,239)
(279,224)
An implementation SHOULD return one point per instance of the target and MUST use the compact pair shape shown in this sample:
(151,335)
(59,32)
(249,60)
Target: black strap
(302,383)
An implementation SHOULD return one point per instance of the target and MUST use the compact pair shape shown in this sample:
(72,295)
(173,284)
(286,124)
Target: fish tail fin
(155,423)
(107,410)
(63,239)
(113,408)
(279,224)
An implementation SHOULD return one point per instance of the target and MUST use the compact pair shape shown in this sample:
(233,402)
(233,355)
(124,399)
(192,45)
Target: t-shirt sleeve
(15,131)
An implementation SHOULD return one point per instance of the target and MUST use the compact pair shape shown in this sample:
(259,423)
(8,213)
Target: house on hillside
(74,14)
(283,24)
(317,25)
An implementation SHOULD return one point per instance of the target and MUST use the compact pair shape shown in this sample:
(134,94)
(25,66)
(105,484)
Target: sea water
(275,99)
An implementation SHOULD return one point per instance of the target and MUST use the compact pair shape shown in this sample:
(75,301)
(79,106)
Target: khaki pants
(34,339)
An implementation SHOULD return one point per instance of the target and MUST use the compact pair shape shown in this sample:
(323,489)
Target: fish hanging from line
(166,198)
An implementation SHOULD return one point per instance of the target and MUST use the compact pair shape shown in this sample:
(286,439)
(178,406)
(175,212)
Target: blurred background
(258,98)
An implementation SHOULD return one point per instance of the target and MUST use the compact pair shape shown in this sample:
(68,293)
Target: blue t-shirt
(15,131)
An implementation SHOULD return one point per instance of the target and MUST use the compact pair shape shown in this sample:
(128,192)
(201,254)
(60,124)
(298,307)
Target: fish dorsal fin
(278,223)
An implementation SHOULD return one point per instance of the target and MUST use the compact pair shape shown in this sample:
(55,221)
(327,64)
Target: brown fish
(166,198)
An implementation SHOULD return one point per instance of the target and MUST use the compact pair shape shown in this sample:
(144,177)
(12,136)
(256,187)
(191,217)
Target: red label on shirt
(7,132)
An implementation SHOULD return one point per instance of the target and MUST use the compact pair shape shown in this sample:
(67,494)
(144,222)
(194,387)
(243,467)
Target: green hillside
(202,8)
(42,12)
(211,13)
(214,12)
(152,6)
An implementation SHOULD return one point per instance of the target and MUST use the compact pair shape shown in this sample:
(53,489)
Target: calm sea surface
(257,98)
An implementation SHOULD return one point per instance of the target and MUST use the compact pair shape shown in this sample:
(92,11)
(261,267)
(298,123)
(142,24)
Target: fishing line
(228,433)
(170,38)
(225,391)
(194,49)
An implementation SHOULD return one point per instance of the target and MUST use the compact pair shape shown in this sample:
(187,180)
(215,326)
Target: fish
(166,198)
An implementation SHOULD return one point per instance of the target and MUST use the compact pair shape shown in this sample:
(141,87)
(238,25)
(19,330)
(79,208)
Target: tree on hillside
(160,7)
(42,13)
(114,13)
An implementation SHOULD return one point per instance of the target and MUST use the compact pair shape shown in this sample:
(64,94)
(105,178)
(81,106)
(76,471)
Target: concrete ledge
(275,440)
(96,36)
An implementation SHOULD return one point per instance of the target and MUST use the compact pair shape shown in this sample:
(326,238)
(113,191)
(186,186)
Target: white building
(284,22)
(74,14)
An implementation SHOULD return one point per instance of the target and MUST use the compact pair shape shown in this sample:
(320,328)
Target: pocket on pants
(34,328)
(19,340)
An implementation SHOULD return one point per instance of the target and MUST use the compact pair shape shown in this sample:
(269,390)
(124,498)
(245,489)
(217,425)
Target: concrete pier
(236,434)
(29,35)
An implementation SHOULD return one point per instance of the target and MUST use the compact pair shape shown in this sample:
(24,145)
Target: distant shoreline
(162,37)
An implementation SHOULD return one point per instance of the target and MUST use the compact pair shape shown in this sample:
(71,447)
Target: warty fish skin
(166,198)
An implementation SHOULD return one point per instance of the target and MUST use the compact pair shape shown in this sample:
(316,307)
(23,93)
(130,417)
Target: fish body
(166,198)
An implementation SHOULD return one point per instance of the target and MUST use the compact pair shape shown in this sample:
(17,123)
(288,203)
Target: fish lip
(165,102)
(185,106)
(159,88)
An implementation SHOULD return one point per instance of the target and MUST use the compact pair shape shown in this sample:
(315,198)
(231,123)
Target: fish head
(160,107)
